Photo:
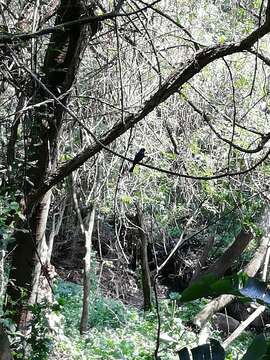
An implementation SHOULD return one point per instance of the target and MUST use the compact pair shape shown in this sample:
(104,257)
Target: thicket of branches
(84,86)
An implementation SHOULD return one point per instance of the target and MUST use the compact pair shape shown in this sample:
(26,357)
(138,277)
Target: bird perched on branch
(138,157)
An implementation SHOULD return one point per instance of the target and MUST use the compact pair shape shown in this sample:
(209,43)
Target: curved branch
(177,79)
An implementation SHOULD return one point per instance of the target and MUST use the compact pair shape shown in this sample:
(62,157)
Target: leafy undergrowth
(117,331)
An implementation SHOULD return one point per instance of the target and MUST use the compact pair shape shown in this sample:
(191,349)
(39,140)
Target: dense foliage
(84,87)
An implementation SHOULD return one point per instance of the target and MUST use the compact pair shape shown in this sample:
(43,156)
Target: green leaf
(169,155)
(257,349)
(200,288)
(14,205)
(210,285)
(222,39)
(126,199)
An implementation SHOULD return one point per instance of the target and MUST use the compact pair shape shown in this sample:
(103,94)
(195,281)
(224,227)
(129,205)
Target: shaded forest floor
(114,282)
(118,328)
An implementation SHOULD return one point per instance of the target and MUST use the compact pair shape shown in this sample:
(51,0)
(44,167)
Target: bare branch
(9,38)
(178,78)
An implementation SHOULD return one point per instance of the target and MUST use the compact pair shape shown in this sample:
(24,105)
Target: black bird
(138,157)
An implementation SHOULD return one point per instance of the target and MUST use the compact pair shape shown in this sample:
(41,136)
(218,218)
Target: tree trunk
(42,130)
(42,248)
(87,228)
(86,271)
(230,255)
(146,278)
(55,230)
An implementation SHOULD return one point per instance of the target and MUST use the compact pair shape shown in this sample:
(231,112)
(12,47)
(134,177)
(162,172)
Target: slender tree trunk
(55,230)
(146,278)
(86,271)
(42,248)
(87,228)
